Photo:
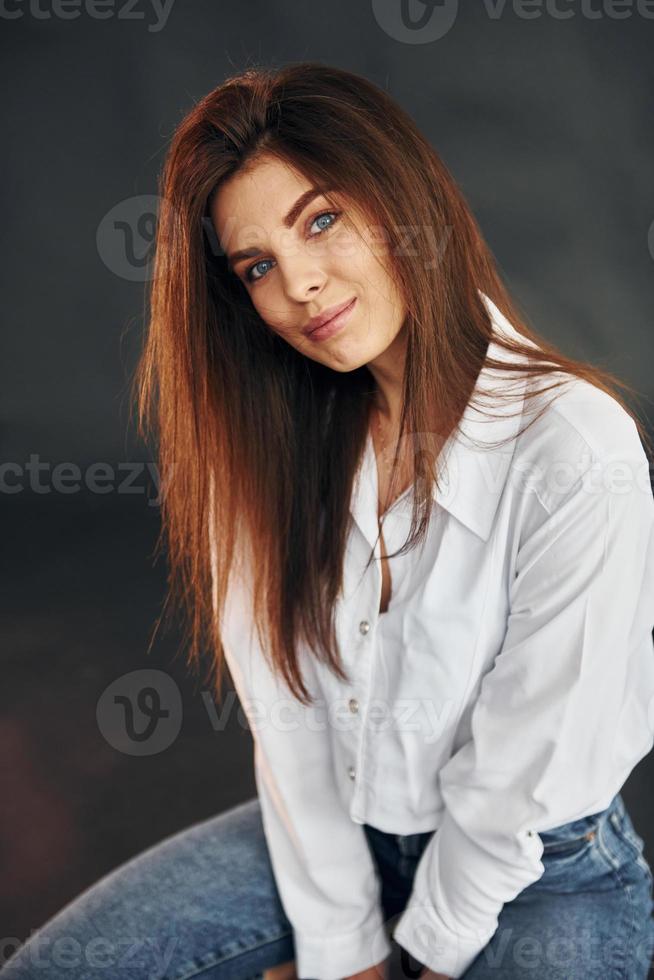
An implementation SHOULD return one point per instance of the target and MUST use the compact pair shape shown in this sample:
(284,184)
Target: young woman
(432,585)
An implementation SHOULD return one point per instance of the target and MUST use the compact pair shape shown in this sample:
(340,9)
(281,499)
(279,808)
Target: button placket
(353,704)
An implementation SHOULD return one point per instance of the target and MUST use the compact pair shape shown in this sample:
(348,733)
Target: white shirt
(508,689)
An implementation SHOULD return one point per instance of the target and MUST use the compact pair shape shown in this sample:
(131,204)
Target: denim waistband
(412,845)
(583,825)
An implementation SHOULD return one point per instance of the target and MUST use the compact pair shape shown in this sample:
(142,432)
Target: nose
(302,277)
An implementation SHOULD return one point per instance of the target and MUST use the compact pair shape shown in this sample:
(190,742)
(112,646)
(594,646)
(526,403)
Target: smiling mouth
(333,326)
(337,310)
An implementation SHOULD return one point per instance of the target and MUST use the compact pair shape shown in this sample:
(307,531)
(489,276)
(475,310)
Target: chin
(344,363)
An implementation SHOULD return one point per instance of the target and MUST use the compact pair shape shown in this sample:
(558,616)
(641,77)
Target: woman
(450,575)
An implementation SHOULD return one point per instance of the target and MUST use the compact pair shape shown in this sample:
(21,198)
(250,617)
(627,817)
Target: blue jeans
(203,904)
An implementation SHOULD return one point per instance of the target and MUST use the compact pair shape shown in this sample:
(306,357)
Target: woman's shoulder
(579,415)
(581,428)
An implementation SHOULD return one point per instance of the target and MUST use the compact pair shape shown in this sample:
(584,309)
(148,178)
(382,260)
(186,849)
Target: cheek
(385,287)
(352,258)
(268,305)
(365,262)
(273,311)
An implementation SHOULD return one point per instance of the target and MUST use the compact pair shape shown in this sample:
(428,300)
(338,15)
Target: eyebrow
(289,220)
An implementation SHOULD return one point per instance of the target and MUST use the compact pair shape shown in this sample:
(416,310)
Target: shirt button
(364,626)
(351,772)
(353,705)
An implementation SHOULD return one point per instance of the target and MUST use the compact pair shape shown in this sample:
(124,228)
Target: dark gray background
(545,124)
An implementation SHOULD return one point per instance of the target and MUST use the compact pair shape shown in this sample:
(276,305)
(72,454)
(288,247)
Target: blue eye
(248,274)
(334,215)
(326,214)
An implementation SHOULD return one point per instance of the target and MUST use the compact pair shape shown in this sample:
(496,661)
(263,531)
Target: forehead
(261,193)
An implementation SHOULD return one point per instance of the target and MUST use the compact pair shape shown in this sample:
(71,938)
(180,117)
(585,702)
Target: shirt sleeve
(561,718)
(323,867)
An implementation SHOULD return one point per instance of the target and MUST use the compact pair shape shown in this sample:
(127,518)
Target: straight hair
(257,445)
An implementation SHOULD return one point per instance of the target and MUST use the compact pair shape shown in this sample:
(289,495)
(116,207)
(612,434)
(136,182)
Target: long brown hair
(258,445)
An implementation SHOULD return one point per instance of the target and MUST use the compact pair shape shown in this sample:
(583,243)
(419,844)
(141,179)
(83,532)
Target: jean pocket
(571,855)
(567,846)
(572,839)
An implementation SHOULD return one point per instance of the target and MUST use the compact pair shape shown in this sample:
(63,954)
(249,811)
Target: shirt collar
(472,477)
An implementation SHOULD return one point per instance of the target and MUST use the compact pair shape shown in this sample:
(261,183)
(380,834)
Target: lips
(334,326)
(322,318)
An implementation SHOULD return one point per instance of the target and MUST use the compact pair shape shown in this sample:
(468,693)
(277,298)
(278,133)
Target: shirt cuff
(336,956)
(424,934)
(459,891)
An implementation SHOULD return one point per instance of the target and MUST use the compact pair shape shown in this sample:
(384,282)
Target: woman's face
(305,257)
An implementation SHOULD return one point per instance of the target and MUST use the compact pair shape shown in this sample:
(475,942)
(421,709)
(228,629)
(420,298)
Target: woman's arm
(323,867)
(561,717)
